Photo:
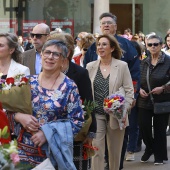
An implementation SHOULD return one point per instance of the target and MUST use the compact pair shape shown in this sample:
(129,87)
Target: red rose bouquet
(15,94)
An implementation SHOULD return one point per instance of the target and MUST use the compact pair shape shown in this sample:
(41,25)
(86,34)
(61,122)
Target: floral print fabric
(50,105)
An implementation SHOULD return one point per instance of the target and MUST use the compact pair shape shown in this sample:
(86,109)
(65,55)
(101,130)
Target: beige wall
(155,14)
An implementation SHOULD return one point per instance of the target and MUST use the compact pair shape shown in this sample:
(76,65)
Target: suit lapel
(32,56)
(113,75)
(92,73)
(12,68)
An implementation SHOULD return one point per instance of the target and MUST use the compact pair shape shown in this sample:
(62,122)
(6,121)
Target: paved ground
(137,165)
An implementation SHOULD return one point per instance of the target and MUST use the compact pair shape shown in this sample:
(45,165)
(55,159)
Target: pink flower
(15,158)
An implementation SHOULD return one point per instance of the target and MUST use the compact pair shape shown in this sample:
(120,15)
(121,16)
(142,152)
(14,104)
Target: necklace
(2,72)
(53,83)
(106,67)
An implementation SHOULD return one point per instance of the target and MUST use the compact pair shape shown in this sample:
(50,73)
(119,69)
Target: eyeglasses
(153,44)
(107,22)
(38,36)
(102,44)
(55,55)
(84,49)
(78,39)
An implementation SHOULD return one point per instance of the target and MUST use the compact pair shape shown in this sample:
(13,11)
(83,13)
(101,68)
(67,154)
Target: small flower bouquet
(115,105)
(88,107)
(9,158)
(15,94)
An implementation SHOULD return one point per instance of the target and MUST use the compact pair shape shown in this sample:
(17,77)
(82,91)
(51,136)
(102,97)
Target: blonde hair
(87,41)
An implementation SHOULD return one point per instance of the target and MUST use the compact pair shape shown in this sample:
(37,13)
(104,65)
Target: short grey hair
(59,44)
(155,37)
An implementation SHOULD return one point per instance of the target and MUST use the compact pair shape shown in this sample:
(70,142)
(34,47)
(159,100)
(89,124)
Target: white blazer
(16,68)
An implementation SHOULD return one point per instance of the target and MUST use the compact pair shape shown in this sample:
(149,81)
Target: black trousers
(153,130)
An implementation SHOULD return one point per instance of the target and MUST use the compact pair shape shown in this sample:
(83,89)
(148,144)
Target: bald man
(32,58)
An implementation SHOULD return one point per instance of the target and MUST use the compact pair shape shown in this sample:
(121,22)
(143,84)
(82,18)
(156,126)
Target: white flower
(7,86)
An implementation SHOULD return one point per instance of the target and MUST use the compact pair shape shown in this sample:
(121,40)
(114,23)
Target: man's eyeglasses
(153,44)
(107,22)
(55,55)
(38,36)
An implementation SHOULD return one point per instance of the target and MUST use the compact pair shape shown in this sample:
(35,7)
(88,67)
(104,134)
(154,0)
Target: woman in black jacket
(81,78)
(159,76)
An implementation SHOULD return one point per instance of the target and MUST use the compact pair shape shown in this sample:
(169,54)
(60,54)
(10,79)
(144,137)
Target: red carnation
(24,79)
(10,80)
(109,105)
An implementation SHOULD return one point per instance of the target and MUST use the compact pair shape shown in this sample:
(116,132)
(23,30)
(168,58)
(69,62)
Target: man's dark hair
(108,14)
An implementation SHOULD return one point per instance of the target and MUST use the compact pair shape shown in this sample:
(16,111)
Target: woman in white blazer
(10,56)
(108,75)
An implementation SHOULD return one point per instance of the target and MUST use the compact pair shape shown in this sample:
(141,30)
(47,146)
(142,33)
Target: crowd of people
(63,72)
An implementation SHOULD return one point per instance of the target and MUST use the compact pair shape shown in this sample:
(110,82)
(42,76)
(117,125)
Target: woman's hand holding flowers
(88,141)
(29,122)
(39,138)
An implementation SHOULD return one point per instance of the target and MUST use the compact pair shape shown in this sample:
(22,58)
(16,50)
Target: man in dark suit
(108,25)
(32,58)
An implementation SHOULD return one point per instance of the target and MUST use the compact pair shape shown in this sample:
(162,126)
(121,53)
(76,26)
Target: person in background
(81,78)
(10,59)
(32,58)
(21,44)
(141,38)
(108,25)
(96,35)
(77,50)
(108,75)
(29,44)
(166,49)
(128,32)
(84,44)
(57,113)
(10,56)
(153,126)
(133,132)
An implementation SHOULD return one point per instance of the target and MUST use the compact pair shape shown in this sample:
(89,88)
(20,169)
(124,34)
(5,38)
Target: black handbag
(159,108)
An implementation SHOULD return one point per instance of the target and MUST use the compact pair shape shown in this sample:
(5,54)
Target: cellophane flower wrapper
(16,98)
(114,105)
(88,107)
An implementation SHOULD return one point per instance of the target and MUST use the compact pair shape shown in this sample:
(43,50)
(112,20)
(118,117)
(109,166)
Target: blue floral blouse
(50,105)
(61,103)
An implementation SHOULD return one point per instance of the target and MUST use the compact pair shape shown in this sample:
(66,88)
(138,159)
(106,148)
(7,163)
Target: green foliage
(89,107)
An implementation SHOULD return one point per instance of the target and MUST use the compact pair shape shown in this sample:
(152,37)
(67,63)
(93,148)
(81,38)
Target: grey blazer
(119,77)
(29,60)
(16,68)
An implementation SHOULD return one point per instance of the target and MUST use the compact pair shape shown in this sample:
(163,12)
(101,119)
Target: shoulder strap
(147,79)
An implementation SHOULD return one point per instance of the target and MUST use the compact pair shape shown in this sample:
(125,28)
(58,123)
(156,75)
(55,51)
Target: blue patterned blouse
(50,105)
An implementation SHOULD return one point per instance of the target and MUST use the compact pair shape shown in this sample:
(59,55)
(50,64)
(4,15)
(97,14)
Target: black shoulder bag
(159,108)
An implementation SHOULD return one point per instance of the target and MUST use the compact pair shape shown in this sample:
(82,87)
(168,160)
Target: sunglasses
(153,44)
(38,36)
(78,39)
(84,49)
